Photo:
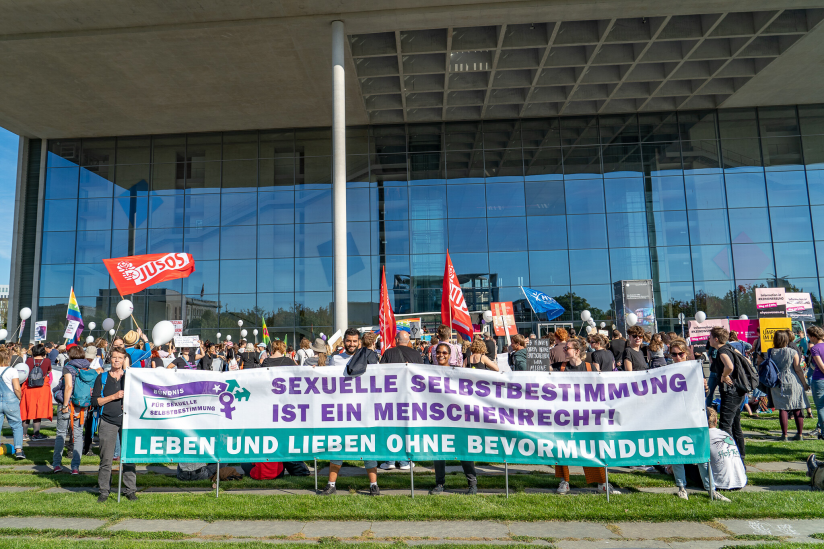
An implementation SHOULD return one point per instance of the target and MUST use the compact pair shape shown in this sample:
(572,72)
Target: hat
(130,338)
(319,346)
(63,348)
(261,345)
(91,352)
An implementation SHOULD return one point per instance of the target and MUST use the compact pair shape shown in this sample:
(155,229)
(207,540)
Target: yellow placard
(768,327)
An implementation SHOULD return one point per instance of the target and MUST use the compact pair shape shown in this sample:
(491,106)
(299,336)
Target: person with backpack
(36,402)
(10,393)
(138,358)
(788,394)
(96,364)
(73,395)
(732,391)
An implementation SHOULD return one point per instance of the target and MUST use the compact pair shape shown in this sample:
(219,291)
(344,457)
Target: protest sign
(178,324)
(747,330)
(800,306)
(71,328)
(537,355)
(770,302)
(40,328)
(183,342)
(503,318)
(768,328)
(699,333)
(419,412)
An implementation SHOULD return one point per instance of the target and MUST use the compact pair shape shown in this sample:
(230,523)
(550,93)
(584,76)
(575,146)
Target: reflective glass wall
(709,204)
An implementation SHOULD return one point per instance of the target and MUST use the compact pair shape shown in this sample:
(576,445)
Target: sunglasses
(441,354)
(638,337)
(679,354)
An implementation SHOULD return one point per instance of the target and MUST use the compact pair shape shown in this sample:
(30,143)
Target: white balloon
(700,317)
(240,323)
(90,339)
(228,338)
(25,313)
(243,333)
(111,332)
(218,335)
(743,317)
(603,325)
(591,322)
(163,332)
(22,372)
(585,315)
(255,331)
(488,316)
(4,334)
(92,325)
(108,324)
(124,309)
(589,329)
(632,319)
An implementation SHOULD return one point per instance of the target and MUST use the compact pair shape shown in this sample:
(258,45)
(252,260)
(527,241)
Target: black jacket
(399,355)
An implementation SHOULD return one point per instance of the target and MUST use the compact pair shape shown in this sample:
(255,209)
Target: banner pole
(217,484)
(712,483)
(506,476)
(119,475)
(606,470)
(316,475)
(412,478)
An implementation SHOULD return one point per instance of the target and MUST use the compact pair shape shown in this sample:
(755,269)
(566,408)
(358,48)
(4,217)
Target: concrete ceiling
(117,67)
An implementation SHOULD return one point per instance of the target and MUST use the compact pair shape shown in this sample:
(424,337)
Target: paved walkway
(565,535)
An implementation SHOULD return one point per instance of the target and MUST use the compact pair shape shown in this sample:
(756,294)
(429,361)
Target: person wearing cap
(261,350)
(319,353)
(136,356)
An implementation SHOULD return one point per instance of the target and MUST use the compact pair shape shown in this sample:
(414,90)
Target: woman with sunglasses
(633,359)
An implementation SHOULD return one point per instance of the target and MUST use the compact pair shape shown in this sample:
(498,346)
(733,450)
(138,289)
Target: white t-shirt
(728,471)
(302,355)
(338,360)
(8,375)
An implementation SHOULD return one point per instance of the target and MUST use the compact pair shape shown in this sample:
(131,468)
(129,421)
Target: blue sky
(8,175)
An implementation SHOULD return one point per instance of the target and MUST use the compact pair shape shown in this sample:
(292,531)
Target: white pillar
(339,176)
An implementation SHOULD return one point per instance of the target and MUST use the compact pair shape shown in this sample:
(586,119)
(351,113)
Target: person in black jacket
(209,354)
(249,358)
(401,352)
(277,350)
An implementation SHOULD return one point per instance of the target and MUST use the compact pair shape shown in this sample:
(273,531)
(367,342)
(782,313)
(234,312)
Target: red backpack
(266,471)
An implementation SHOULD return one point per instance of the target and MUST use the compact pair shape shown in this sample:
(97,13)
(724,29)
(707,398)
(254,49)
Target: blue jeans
(817,386)
(10,408)
(712,384)
(60,439)
(681,475)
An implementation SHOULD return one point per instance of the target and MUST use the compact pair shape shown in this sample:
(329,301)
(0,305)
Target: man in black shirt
(108,394)
(401,352)
(617,346)
(491,348)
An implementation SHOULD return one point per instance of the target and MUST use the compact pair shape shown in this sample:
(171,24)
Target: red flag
(132,274)
(453,305)
(387,317)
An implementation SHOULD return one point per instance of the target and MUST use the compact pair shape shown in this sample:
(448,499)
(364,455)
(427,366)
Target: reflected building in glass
(709,204)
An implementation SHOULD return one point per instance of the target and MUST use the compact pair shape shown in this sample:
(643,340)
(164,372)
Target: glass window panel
(202,242)
(237,277)
(397,271)
(794,260)
(466,201)
(169,148)
(543,163)
(549,268)
(737,123)
(276,207)
(582,160)
(394,238)
(358,272)
(508,269)
(395,203)
(619,128)
(545,198)
(388,169)
(705,192)
(166,211)
(91,280)
(815,186)
(92,246)
(163,306)
(277,172)
(132,180)
(237,242)
(204,280)
(669,229)
(314,141)
(586,231)
(716,299)
(62,182)
(236,307)
(813,151)
(711,263)
(671,299)
(457,135)
(276,241)
(313,239)
(506,234)
(579,130)
(658,126)
(791,224)
(427,202)
(278,308)
(623,160)
(589,266)
(661,159)
(702,156)
(811,118)
(753,261)
(462,167)
(130,213)
(314,274)
(749,225)
(276,275)
(357,204)
(708,227)
(474,268)
(666,193)
(627,230)
(234,208)
(59,215)
(671,263)
(313,206)
(54,279)
(584,196)
(240,145)
(315,309)
(746,190)
(203,147)
(63,153)
(467,235)
(778,121)
(96,182)
(596,299)
(547,232)
(782,153)
(787,188)
(240,175)
(504,165)
(428,236)
(202,177)
(134,150)
(276,143)
(94,214)
(629,263)
(428,168)
(741,154)
(165,240)
(357,140)
(169,178)
(130,243)
(625,195)
(358,235)
(505,199)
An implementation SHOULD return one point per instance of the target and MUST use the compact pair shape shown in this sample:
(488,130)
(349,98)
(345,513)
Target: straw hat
(319,346)
(91,352)
(130,338)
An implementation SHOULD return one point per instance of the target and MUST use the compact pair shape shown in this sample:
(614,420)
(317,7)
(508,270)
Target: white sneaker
(682,493)
(406,465)
(719,497)
(563,488)
(602,489)
(388,465)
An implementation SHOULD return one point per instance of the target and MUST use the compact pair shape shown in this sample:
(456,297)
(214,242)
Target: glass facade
(708,204)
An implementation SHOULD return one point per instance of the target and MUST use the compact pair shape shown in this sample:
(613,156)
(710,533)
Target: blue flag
(542,303)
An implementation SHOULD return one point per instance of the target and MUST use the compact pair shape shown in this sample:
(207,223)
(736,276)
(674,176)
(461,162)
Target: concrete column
(17,237)
(339,177)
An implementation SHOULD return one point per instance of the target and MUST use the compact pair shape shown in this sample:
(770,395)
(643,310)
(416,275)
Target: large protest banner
(800,306)
(419,412)
(770,302)
(768,327)
(747,330)
(699,333)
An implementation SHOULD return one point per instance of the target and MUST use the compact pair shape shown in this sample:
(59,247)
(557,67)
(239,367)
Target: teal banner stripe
(667,446)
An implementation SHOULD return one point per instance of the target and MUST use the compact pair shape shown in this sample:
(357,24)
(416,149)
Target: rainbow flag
(266,339)
(73,313)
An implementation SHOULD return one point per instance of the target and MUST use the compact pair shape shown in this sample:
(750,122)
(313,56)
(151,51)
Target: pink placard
(747,330)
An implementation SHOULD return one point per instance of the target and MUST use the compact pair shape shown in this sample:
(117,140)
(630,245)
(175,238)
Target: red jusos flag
(387,317)
(453,306)
(132,274)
